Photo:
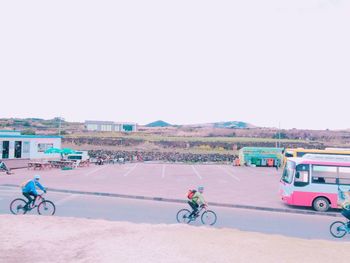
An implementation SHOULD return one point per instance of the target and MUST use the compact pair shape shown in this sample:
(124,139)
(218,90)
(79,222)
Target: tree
(28,132)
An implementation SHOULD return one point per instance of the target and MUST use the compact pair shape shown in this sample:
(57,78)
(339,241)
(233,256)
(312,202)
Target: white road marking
(97,169)
(10,192)
(230,174)
(131,169)
(196,172)
(66,199)
(13,190)
(163,171)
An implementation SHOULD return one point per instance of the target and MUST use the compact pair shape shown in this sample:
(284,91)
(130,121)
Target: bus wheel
(321,204)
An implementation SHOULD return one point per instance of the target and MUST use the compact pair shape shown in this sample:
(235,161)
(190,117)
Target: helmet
(37,177)
(200,188)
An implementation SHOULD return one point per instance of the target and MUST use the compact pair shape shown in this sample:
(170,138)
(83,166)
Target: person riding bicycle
(3,167)
(197,201)
(344,203)
(29,189)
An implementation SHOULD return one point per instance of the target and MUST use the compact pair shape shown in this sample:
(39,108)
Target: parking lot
(226,184)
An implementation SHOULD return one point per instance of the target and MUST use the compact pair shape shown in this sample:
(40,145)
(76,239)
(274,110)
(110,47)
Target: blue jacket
(31,185)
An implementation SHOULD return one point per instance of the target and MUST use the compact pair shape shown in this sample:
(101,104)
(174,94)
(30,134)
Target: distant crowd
(128,156)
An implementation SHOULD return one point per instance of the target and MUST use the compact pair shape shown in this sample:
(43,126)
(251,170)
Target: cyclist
(344,202)
(197,201)
(3,167)
(29,190)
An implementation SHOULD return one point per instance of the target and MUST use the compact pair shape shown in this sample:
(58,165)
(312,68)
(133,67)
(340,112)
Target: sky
(265,62)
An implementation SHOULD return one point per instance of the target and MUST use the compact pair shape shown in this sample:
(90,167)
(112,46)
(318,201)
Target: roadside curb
(173,200)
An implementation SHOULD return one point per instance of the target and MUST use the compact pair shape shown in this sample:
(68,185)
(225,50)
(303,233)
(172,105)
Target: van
(79,156)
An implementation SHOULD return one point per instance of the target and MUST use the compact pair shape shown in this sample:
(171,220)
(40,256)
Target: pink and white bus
(315,180)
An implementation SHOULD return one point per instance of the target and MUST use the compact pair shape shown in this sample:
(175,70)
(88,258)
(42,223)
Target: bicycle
(339,229)
(44,207)
(208,217)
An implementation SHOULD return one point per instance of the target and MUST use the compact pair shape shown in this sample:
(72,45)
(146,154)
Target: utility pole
(279,134)
(59,126)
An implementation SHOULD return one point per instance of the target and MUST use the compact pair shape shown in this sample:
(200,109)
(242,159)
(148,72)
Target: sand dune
(55,239)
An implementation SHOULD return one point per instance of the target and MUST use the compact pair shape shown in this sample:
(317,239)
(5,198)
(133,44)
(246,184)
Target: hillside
(223,137)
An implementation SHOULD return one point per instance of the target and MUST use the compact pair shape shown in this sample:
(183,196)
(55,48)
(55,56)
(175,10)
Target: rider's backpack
(190,194)
(23,185)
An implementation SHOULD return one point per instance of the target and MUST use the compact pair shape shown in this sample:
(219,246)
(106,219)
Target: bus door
(301,193)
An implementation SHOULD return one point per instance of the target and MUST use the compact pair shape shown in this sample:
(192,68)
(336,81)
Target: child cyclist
(197,200)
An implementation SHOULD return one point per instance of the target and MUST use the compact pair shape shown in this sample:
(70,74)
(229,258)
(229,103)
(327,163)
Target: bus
(300,152)
(315,181)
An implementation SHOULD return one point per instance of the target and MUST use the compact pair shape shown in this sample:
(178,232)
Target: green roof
(261,150)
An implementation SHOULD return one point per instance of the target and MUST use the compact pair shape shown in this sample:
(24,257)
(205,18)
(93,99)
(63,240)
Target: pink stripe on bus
(306,198)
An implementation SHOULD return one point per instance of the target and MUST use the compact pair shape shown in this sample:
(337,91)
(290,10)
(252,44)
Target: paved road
(223,183)
(139,211)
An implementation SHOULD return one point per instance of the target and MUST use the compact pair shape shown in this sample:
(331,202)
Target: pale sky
(259,61)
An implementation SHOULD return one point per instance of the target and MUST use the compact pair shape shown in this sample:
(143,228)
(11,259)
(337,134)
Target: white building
(14,145)
(111,126)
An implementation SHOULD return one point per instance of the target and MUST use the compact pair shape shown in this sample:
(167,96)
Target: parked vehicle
(313,181)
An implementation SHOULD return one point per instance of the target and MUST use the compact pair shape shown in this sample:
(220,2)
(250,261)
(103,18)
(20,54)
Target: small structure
(110,126)
(14,145)
(261,156)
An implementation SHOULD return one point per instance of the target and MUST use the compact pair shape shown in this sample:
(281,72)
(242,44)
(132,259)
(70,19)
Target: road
(153,212)
(223,183)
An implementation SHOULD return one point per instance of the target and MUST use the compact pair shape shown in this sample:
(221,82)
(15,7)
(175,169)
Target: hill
(232,125)
(158,123)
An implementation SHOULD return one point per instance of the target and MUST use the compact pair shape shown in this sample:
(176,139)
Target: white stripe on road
(96,170)
(163,171)
(10,193)
(131,169)
(196,172)
(66,199)
(12,190)
(230,174)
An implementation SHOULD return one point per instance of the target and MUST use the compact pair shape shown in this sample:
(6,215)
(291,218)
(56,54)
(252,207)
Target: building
(261,156)
(14,145)
(110,126)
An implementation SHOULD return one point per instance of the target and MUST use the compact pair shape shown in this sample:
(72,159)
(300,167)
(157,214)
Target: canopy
(63,151)
(53,150)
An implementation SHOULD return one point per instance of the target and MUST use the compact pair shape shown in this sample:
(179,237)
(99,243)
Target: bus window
(344,175)
(288,172)
(288,154)
(302,175)
(300,154)
(324,174)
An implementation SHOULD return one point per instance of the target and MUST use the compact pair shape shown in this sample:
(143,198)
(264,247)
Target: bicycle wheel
(338,229)
(46,208)
(17,206)
(183,216)
(208,218)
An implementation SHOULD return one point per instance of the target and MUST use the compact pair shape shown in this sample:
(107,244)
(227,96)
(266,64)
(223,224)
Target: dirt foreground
(55,239)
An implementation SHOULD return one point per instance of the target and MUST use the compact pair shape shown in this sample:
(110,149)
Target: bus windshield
(288,172)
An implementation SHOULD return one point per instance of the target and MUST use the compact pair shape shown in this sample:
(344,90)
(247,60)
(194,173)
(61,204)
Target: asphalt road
(153,212)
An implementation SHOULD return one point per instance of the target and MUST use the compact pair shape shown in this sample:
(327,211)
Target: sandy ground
(56,239)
